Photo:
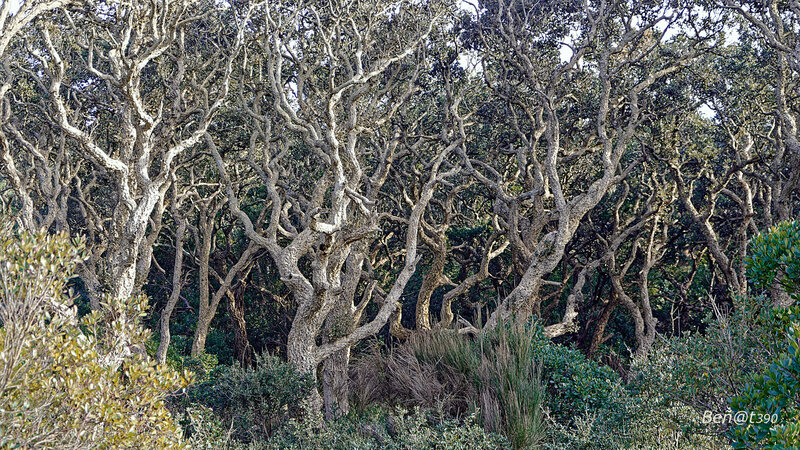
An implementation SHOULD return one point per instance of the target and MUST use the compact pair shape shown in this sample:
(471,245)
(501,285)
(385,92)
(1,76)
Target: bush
(56,391)
(206,430)
(255,400)
(744,361)
(775,256)
(575,384)
(686,378)
(379,430)
(586,405)
(776,391)
(201,366)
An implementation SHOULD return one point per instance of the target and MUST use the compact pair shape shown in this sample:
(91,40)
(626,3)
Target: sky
(14,5)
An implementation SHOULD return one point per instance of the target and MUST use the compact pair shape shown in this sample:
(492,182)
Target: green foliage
(205,429)
(704,370)
(380,430)
(586,403)
(255,400)
(574,383)
(742,362)
(58,389)
(775,255)
(694,375)
(776,391)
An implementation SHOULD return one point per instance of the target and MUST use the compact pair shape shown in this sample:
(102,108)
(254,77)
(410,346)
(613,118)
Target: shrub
(575,384)
(776,391)
(740,363)
(775,256)
(586,405)
(379,430)
(672,387)
(255,400)
(689,375)
(55,389)
(206,430)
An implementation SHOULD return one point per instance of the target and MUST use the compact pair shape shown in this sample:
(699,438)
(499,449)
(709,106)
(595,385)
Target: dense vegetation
(399,224)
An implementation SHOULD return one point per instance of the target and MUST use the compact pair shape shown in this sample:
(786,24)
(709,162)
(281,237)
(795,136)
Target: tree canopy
(332,171)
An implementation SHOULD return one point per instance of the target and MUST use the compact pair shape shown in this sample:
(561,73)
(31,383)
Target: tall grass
(496,373)
(512,393)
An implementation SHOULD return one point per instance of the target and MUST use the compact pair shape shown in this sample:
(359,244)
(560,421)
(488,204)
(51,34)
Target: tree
(12,26)
(572,124)
(326,89)
(136,94)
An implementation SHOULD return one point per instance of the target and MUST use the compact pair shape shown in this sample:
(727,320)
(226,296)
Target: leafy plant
(378,429)
(255,400)
(57,387)
(775,257)
(775,392)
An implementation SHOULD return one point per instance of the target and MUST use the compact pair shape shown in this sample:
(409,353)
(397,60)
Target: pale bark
(12,25)
(337,101)
(177,283)
(542,220)
(118,53)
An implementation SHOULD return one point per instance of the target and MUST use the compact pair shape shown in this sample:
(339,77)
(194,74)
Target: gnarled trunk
(242,350)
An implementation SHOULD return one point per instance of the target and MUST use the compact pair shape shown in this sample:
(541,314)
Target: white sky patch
(706,112)
(469,59)
(731,36)
(567,47)
(471,62)
(15,4)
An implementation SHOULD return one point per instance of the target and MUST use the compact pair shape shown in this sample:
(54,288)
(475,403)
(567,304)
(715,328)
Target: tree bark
(242,350)
(599,335)
(166,313)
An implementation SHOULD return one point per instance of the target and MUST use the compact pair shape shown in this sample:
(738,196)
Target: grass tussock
(496,374)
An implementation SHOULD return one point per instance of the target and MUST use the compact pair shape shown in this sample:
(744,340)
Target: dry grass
(442,370)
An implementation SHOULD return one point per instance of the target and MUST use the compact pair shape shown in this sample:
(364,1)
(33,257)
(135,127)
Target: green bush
(575,384)
(775,256)
(201,366)
(586,405)
(254,401)
(745,361)
(206,430)
(688,377)
(379,430)
(57,389)
(775,393)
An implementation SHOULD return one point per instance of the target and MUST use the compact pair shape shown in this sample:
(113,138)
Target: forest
(399,224)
